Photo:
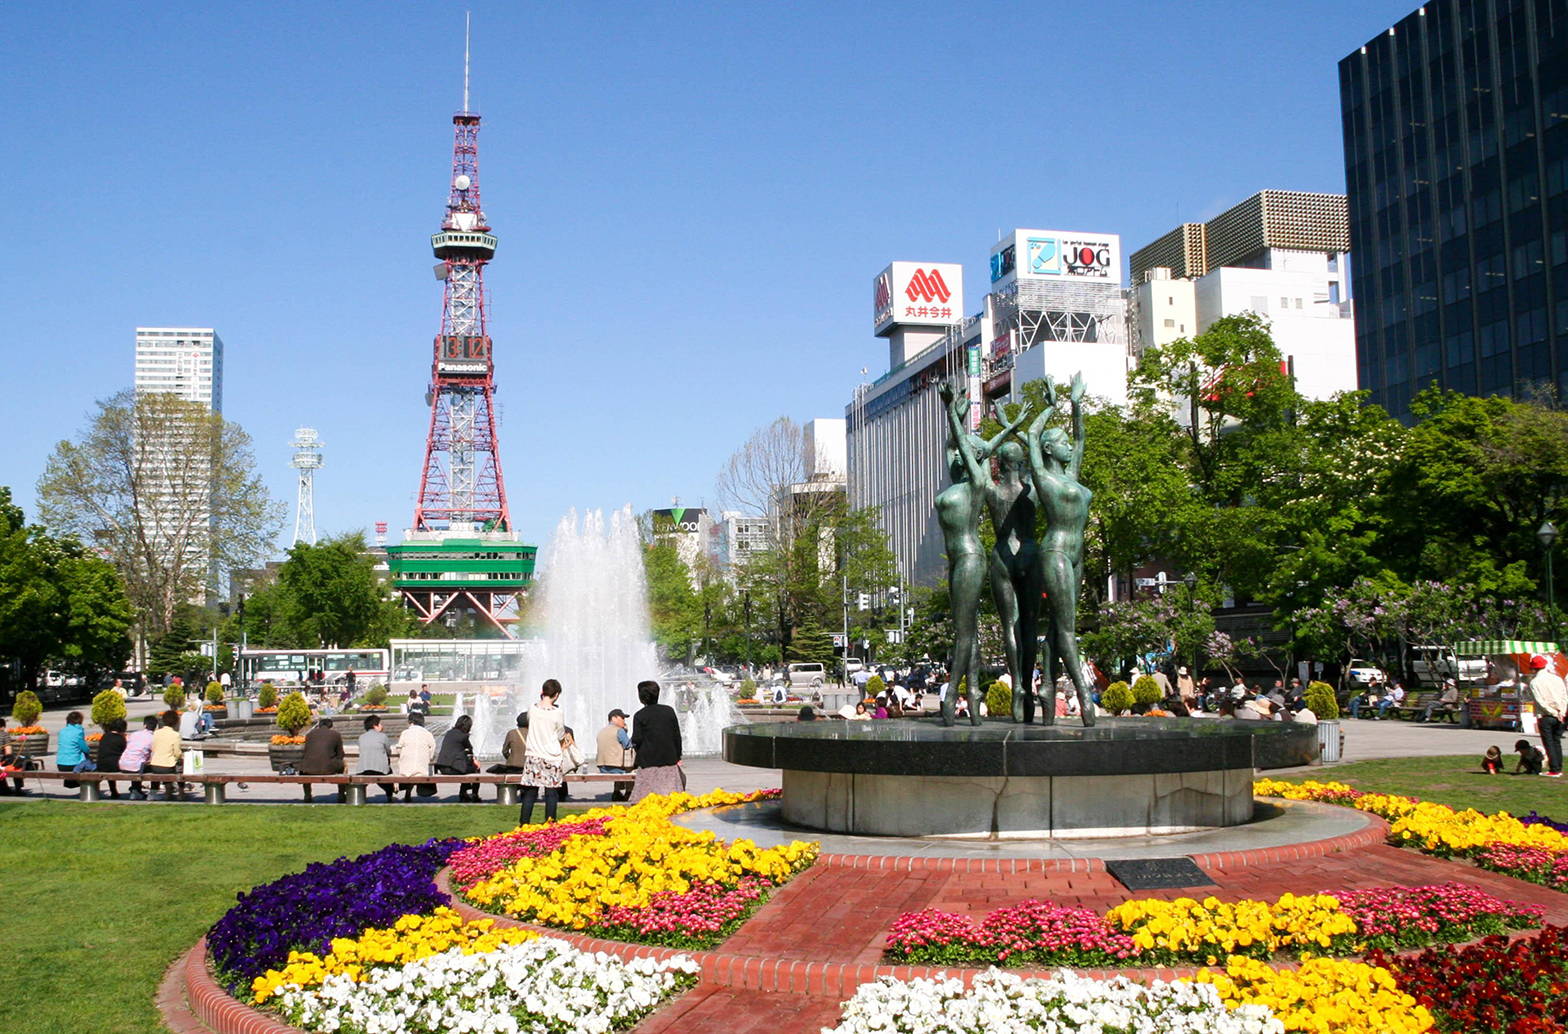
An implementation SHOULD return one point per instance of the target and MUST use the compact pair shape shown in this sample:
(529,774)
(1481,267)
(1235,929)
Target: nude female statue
(1014,561)
(1054,465)
(958,513)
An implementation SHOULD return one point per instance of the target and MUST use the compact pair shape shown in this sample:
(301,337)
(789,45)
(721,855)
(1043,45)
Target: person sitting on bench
(1448,703)
(324,756)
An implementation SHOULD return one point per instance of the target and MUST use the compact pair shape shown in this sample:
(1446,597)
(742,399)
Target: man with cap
(615,752)
(1550,697)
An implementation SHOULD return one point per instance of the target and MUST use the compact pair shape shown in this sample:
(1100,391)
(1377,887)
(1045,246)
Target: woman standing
(656,737)
(542,765)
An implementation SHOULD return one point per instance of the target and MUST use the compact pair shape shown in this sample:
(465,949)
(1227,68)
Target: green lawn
(97,899)
(1456,781)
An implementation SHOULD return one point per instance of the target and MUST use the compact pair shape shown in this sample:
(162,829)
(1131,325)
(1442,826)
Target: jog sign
(927,294)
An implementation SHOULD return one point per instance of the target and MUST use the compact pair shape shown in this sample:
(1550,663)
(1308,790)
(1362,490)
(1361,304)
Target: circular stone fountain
(1122,777)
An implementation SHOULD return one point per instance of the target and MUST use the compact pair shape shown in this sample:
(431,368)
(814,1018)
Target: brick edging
(215,1007)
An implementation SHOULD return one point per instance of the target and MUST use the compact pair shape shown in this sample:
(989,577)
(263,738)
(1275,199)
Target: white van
(1430,664)
(801,673)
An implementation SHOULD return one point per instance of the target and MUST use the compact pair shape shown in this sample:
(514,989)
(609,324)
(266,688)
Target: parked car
(1361,676)
(723,678)
(802,673)
(851,666)
(1431,664)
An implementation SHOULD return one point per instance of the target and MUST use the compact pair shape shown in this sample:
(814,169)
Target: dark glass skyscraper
(1456,164)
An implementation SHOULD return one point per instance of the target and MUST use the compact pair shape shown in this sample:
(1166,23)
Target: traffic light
(865,601)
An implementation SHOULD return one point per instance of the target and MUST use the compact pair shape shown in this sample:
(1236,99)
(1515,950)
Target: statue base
(916,778)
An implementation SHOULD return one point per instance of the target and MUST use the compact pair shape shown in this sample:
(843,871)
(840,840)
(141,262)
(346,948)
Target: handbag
(574,757)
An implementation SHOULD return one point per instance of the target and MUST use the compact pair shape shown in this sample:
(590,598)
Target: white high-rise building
(183,361)
(186,362)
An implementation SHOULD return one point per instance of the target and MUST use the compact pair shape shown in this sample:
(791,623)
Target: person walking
(375,754)
(416,752)
(544,764)
(457,757)
(1549,695)
(615,752)
(656,737)
(324,755)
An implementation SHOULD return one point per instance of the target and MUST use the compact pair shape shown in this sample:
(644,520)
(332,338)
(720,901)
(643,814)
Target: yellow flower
(1325,995)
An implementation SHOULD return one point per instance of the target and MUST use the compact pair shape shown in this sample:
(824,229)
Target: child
(1492,763)
(1530,758)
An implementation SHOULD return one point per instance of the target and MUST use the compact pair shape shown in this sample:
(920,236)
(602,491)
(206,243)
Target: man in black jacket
(324,756)
(457,757)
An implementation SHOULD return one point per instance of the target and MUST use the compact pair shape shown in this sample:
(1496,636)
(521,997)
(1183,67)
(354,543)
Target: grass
(98,899)
(1455,780)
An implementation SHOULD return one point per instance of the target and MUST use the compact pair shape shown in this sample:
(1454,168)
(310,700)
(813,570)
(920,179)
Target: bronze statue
(1054,465)
(958,512)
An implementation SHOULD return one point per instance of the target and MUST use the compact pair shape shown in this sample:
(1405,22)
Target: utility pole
(746,608)
(244,680)
(845,656)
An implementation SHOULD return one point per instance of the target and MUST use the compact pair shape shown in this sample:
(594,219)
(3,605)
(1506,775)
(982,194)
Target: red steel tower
(461,487)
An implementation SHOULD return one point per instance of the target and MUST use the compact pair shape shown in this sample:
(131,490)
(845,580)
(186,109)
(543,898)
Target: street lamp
(746,609)
(1190,579)
(1546,535)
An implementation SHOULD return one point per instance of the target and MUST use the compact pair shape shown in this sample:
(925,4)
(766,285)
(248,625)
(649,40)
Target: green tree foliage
(293,714)
(999,699)
(875,687)
(174,697)
(1145,691)
(674,610)
(1321,701)
(812,645)
(332,597)
(267,696)
(26,708)
(214,693)
(159,485)
(59,602)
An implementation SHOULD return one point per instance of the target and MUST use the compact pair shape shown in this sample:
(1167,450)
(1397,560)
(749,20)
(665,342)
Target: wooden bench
(508,784)
(1415,704)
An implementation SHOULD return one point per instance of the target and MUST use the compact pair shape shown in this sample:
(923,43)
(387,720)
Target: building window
(1298,303)
(1284,303)
(1259,303)
(1170,323)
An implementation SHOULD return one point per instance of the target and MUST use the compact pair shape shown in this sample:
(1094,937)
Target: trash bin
(1328,740)
(242,707)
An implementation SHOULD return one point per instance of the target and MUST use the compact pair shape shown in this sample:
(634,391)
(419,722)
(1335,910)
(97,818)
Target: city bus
(299,666)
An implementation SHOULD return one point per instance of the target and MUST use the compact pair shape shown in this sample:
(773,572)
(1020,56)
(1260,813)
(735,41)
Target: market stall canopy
(1486,647)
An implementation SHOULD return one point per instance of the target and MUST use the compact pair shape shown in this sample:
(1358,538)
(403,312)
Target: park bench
(508,784)
(1415,704)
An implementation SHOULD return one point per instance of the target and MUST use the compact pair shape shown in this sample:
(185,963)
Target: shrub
(27,707)
(268,697)
(1117,698)
(107,706)
(999,698)
(174,697)
(748,688)
(376,696)
(1320,698)
(875,686)
(1146,691)
(293,713)
(214,692)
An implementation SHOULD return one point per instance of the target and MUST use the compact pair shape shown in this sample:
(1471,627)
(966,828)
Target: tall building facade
(182,361)
(1281,254)
(1456,165)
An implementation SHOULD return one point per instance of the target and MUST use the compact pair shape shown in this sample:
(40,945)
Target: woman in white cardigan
(545,761)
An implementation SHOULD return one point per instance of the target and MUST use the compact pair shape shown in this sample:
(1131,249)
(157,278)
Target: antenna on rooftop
(467,19)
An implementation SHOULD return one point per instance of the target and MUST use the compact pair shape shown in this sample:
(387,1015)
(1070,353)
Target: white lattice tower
(307,460)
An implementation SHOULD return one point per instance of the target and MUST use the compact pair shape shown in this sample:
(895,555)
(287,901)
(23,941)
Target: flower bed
(288,741)
(542,984)
(1534,849)
(305,911)
(1494,987)
(1063,1002)
(1149,932)
(629,874)
(1328,995)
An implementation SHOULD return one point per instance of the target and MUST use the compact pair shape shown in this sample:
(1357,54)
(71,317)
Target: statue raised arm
(958,513)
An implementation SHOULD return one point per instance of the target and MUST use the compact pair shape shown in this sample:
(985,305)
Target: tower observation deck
(461,553)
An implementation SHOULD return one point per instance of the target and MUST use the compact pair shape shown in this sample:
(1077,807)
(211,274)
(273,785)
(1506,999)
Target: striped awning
(1482,647)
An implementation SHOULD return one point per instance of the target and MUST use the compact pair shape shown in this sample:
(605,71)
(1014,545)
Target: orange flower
(287,741)
(28,730)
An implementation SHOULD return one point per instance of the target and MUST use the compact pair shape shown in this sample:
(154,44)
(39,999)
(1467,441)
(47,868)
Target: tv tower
(307,460)
(462,555)
(461,487)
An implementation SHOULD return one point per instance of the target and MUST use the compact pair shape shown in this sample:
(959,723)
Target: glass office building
(1456,167)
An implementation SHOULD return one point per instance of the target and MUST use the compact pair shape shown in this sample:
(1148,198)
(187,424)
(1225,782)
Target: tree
(58,602)
(812,645)
(332,597)
(674,612)
(163,488)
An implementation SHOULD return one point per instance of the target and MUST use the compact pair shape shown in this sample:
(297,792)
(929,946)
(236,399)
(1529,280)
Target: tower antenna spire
(468,17)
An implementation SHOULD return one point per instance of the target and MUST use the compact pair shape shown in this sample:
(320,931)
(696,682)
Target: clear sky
(691,201)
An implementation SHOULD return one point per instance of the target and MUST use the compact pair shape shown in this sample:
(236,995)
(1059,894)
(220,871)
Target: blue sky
(691,201)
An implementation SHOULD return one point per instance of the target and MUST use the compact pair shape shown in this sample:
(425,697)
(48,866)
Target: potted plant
(375,698)
(1145,693)
(289,748)
(30,739)
(1117,698)
(999,700)
(174,696)
(214,705)
(267,699)
(107,706)
(1320,699)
